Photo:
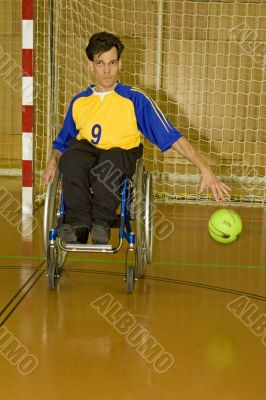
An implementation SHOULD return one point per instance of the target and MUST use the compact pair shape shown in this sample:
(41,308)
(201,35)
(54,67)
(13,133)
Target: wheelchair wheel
(130,269)
(130,279)
(52,217)
(52,267)
(139,216)
(148,217)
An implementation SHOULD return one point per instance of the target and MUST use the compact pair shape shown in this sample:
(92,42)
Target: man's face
(105,68)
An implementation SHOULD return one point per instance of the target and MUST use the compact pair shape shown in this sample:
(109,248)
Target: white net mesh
(204,64)
(10,87)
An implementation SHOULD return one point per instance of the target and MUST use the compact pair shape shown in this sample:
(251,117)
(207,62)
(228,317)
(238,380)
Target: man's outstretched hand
(218,188)
(208,179)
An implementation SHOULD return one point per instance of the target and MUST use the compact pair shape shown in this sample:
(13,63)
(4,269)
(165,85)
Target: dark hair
(101,42)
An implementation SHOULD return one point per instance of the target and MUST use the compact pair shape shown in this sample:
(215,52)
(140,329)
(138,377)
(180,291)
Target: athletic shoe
(73,234)
(100,232)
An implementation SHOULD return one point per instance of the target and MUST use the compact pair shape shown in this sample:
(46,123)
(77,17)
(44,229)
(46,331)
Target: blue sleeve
(68,131)
(153,123)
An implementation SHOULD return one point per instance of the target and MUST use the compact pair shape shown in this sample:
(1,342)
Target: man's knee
(71,161)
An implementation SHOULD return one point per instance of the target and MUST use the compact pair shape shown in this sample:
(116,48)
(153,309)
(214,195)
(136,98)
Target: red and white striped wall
(27,106)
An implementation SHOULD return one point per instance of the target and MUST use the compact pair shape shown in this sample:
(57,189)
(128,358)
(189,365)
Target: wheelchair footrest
(88,247)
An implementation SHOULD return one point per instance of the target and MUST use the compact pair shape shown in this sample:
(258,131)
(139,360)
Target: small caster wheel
(130,279)
(52,275)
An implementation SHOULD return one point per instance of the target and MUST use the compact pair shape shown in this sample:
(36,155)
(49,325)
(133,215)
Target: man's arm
(60,143)
(208,179)
(49,171)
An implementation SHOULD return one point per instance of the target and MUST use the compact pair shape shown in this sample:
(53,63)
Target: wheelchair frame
(135,205)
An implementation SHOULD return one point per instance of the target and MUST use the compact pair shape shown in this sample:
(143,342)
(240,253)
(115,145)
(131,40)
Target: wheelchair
(135,205)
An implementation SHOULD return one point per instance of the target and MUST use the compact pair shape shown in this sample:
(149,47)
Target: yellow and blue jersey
(116,120)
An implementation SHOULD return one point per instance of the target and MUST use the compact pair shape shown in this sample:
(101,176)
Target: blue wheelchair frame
(125,231)
(139,250)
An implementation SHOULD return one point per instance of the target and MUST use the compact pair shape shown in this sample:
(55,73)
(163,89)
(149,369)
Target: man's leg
(107,175)
(75,165)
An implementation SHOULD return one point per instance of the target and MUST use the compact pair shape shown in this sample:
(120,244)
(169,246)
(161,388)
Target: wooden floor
(200,311)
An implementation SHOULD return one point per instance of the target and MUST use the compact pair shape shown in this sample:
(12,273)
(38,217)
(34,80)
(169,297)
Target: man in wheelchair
(100,142)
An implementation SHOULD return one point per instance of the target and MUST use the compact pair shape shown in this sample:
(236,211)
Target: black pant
(88,169)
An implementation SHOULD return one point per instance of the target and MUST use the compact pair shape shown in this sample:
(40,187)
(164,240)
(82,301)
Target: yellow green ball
(225,225)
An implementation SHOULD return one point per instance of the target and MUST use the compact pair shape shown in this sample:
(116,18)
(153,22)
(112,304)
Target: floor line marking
(21,299)
(160,263)
(19,292)
(170,263)
(177,281)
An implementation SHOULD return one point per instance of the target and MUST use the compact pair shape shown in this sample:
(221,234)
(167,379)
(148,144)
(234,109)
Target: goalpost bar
(27,106)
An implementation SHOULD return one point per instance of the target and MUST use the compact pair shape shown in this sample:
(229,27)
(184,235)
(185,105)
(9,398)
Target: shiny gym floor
(201,309)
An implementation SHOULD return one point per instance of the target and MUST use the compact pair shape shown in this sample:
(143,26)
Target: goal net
(10,88)
(203,62)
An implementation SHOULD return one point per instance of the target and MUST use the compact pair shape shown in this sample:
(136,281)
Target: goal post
(202,62)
